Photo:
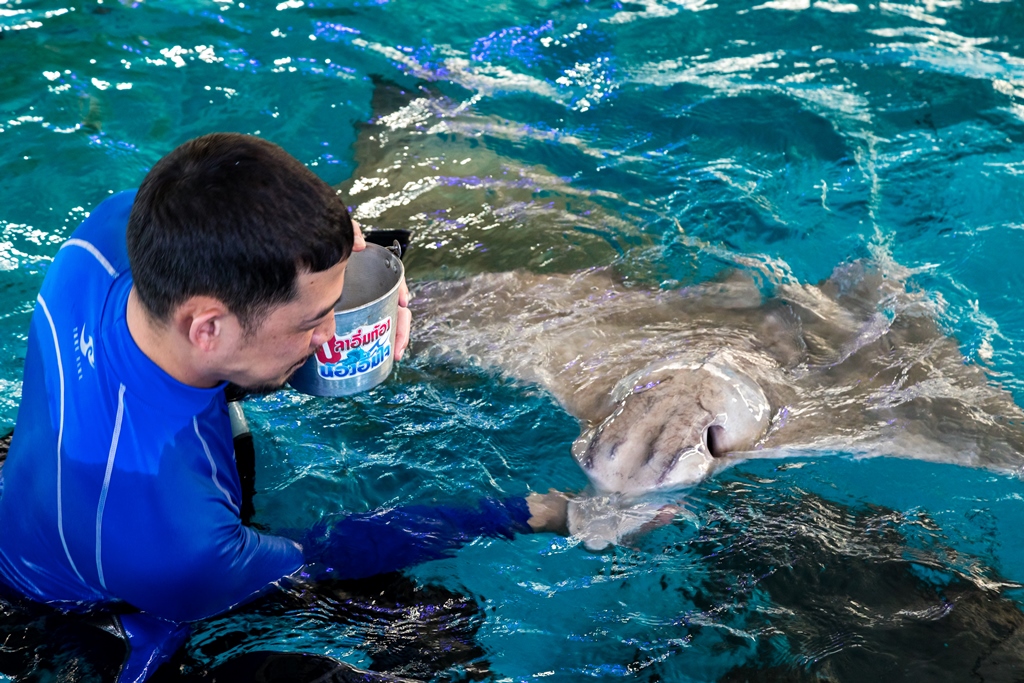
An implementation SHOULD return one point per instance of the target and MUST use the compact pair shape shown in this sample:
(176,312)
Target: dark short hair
(236,218)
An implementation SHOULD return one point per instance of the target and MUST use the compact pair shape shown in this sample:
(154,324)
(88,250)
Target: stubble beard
(271,387)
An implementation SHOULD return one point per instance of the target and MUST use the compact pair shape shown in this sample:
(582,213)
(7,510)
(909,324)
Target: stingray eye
(714,439)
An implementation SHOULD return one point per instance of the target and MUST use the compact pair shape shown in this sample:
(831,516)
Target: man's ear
(202,321)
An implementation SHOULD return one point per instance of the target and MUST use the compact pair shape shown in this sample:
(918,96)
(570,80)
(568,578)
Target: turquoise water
(667,138)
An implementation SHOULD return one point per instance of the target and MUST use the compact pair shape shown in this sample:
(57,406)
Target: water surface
(667,139)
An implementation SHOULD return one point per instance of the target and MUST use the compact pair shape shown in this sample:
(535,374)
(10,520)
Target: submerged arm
(361,545)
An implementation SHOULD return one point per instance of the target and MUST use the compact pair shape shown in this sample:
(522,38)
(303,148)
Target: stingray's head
(671,426)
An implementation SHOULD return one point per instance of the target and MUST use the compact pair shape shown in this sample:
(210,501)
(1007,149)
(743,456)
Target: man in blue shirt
(120,491)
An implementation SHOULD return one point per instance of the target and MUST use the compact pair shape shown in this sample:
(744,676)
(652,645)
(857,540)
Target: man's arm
(361,545)
(222,564)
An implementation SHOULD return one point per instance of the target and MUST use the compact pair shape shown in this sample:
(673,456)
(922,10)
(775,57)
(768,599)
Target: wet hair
(236,218)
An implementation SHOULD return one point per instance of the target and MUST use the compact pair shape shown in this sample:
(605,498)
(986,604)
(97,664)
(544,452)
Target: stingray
(670,386)
(435,166)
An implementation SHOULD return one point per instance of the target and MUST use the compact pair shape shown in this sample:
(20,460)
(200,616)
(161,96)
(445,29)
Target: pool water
(669,140)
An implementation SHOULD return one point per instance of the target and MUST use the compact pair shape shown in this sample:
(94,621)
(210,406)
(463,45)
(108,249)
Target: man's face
(289,333)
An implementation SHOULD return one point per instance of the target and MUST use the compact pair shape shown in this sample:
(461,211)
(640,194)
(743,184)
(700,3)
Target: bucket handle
(395,249)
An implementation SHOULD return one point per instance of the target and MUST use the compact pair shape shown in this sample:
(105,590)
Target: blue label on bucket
(356,353)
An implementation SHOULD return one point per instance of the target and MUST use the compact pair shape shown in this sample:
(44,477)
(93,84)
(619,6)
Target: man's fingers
(549,512)
(404,320)
(358,241)
(402,331)
(664,516)
(403,293)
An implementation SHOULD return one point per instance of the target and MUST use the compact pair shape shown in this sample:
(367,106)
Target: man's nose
(323,332)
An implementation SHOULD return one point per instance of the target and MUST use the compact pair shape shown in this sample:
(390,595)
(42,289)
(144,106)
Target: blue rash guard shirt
(120,489)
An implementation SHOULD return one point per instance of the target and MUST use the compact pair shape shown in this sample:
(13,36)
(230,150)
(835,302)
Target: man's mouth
(299,364)
(303,360)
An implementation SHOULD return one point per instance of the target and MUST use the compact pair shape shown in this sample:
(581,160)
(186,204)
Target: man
(120,492)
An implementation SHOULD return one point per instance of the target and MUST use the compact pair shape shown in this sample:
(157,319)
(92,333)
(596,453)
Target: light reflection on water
(668,140)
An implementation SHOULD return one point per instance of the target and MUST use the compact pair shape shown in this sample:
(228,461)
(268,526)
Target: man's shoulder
(78,285)
(99,242)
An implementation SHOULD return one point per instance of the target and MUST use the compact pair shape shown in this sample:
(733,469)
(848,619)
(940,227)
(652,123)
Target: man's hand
(666,515)
(404,322)
(549,512)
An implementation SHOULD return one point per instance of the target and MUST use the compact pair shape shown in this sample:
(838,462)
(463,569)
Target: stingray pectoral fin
(782,334)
